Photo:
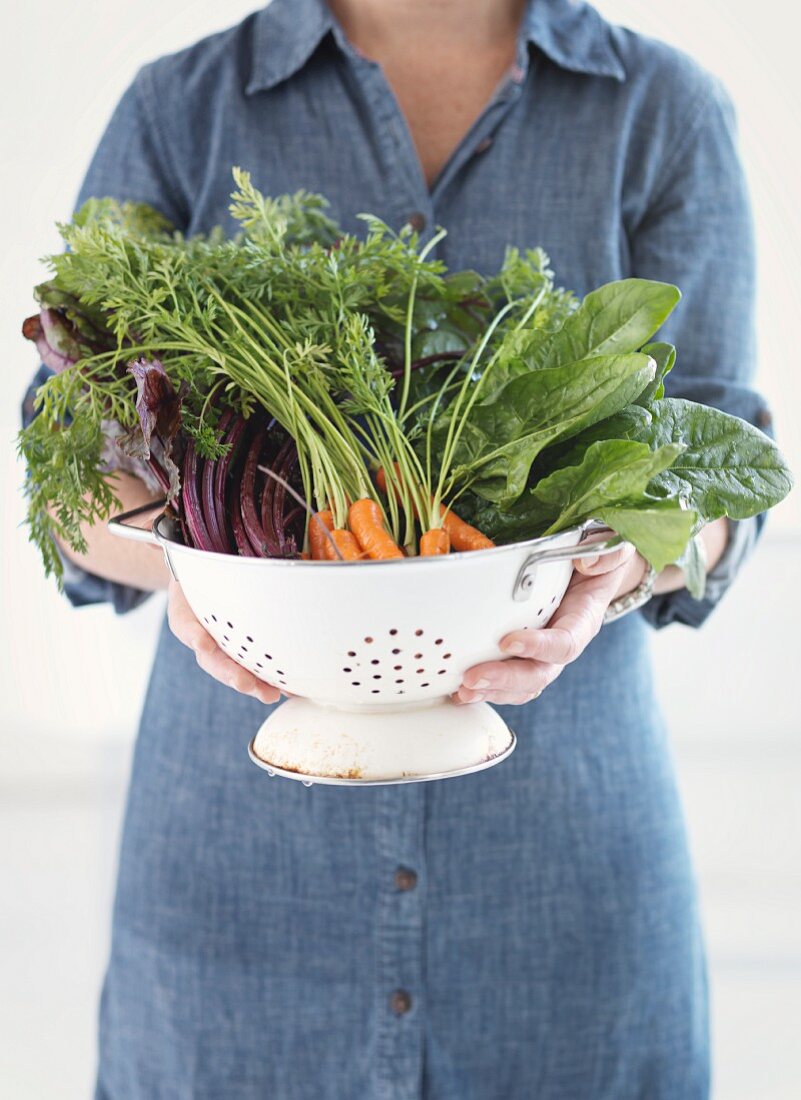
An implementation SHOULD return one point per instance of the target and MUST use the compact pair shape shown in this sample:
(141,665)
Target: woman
(526,932)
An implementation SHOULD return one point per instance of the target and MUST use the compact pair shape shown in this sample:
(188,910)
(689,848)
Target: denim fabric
(550,945)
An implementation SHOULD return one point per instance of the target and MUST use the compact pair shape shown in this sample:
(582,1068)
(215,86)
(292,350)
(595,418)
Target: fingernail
(478,697)
(593,560)
(478,685)
(513,647)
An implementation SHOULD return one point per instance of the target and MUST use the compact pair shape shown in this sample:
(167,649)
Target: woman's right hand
(210,657)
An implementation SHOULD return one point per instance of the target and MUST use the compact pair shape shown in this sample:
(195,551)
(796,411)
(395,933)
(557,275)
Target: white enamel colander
(370,652)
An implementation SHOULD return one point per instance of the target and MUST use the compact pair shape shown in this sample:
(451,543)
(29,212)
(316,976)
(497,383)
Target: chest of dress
(544,164)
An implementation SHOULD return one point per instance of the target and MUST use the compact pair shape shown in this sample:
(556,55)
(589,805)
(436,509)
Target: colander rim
(168,543)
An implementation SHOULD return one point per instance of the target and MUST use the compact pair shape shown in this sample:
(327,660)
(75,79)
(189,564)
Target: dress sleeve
(130,164)
(696,231)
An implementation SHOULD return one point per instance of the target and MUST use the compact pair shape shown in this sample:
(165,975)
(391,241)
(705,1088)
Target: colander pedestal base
(321,744)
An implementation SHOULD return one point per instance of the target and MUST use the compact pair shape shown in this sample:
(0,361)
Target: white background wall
(71,683)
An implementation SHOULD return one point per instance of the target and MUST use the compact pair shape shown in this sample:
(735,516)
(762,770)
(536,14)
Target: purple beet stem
(285,462)
(194,512)
(210,512)
(262,546)
(233,440)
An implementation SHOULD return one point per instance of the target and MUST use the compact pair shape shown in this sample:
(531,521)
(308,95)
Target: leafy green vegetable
(504,435)
(502,395)
(612,470)
(658,528)
(613,320)
(727,466)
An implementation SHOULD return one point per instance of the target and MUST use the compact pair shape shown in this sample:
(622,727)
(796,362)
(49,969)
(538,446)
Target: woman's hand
(210,657)
(536,657)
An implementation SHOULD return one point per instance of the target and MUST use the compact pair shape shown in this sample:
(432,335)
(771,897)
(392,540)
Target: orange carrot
(317,539)
(367,524)
(462,535)
(347,545)
(381,478)
(435,541)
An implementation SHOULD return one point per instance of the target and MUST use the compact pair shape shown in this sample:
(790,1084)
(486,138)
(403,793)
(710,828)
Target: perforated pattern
(392,663)
(245,650)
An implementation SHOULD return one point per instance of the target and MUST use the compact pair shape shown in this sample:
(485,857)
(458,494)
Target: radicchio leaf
(89,322)
(55,338)
(159,407)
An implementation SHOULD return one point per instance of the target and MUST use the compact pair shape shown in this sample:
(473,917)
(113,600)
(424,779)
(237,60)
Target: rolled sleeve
(696,231)
(130,166)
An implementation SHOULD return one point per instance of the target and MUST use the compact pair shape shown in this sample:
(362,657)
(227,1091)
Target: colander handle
(525,578)
(120,525)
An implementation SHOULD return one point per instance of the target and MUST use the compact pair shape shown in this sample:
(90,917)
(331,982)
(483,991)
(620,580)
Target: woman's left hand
(536,657)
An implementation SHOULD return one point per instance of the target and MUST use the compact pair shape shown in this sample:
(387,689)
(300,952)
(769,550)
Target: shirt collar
(574,36)
(569,32)
(285,35)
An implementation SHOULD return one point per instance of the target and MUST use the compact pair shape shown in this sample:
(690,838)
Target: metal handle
(119,525)
(525,577)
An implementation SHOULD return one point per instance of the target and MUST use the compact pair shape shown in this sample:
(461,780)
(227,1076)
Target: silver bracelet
(632,600)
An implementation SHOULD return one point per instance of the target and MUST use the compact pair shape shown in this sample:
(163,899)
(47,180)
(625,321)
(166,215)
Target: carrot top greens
(296,357)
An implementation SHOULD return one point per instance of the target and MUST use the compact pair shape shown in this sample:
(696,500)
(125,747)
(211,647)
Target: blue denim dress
(526,932)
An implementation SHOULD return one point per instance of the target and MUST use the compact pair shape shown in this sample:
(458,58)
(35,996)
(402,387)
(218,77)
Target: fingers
(536,657)
(574,624)
(605,563)
(512,681)
(210,657)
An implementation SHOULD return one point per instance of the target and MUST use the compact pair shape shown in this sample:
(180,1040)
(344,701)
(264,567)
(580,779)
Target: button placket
(399,995)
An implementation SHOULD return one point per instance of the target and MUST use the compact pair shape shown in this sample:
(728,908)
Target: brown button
(764,419)
(417,221)
(400,1002)
(405,879)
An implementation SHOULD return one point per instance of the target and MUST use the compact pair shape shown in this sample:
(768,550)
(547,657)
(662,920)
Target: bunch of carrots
(368,538)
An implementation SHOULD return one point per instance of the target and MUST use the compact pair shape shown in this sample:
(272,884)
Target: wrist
(634,573)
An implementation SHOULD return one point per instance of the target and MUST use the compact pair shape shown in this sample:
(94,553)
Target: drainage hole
(424,685)
(231,625)
(393,631)
(438,641)
(347,670)
(375,691)
(369,641)
(377,676)
(418,633)
(355,683)
(214,617)
(351,652)
(418,656)
(397,668)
